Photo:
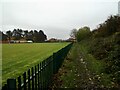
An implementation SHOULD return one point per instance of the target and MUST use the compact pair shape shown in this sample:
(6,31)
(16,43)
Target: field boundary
(39,76)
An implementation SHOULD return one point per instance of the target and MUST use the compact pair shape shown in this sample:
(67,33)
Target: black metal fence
(40,76)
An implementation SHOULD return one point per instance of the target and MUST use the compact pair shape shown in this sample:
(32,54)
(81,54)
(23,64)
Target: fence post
(29,80)
(38,76)
(35,78)
(19,83)
(32,78)
(24,80)
(11,84)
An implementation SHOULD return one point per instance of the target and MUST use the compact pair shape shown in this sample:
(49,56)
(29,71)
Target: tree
(73,33)
(0,36)
(15,34)
(18,34)
(30,35)
(83,33)
(39,36)
(43,37)
(3,36)
(109,27)
(25,34)
(9,35)
(36,35)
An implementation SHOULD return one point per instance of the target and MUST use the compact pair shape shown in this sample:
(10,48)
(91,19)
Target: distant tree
(42,36)
(17,34)
(109,27)
(3,37)
(83,33)
(73,33)
(25,35)
(0,36)
(39,36)
(30,35)
(36,35)
(9,35)
(20,31)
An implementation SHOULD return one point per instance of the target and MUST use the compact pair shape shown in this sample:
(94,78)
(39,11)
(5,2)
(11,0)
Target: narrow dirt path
(85,78)
(75,73)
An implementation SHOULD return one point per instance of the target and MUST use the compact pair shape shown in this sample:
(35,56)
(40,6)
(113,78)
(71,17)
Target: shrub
(108,49)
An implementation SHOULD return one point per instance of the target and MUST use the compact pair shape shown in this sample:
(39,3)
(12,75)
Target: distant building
(52,40)
(21,41)
(119,8)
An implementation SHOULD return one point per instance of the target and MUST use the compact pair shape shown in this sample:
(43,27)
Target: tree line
(108,28)
(19,34)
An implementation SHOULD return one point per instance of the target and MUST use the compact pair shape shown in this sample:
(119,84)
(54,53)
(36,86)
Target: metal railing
(40,76)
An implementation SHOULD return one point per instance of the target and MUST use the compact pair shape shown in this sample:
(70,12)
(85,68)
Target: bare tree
(73,33)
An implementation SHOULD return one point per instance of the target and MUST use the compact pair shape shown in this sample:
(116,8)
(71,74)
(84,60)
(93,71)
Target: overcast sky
(55,17)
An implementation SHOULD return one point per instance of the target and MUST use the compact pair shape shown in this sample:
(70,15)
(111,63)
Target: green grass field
(18,58)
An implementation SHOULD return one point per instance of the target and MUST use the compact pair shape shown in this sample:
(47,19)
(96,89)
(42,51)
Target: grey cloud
(56,18)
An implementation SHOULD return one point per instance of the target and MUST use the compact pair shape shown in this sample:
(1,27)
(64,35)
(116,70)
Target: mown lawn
(17,58)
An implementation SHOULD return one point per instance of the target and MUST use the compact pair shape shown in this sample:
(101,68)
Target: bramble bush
(105,45)
(108,49)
